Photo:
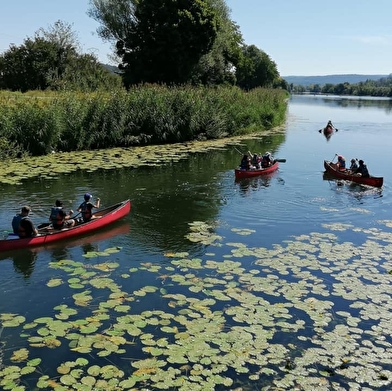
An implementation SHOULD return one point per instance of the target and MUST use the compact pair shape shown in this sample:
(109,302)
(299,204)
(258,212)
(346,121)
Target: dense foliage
(256,69)
(172,42)
(218,65)
(381,87)
(164,40)
(51,60)
(182,41)
(143,115)
(164,47)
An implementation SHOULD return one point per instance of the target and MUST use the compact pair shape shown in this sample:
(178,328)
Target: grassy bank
(38,123)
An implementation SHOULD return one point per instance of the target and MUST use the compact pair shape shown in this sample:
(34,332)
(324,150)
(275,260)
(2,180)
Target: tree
(51,60)
(29,66)
(159,41)
(218,65)
(256,69)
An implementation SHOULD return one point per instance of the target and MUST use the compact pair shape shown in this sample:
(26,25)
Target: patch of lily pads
(52,165)
(311,313)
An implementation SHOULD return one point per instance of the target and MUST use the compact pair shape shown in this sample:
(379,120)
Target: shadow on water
(24,260)
(247,185)
(327,133)
(355,189)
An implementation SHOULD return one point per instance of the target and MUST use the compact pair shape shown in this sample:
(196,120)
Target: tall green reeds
(143,115)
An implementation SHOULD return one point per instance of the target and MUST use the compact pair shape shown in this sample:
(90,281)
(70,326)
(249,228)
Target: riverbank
(38,124)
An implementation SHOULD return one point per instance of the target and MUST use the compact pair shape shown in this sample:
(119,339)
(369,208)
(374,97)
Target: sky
(303,37)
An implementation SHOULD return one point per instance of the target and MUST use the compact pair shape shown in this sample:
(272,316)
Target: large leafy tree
(50,60)
(218,65)
(159,41)
(256,69)
(29,66)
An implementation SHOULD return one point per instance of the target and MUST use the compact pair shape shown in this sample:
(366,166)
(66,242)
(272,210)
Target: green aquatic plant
(13,172)
(313,312)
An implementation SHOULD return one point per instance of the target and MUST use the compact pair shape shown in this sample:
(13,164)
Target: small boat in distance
(348,176)
(241,173)
(103,218)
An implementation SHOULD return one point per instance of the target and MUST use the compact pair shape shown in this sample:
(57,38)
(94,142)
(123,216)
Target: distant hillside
(111,68)
(332,79)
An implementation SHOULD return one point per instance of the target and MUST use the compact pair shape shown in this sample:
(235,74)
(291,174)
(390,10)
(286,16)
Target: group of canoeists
(355,168)
(258,162)
(255,161)
(59,219)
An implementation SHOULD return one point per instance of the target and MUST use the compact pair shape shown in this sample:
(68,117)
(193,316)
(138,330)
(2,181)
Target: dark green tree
(159,41)
(256,69)
(51,60)
(218,65)
(29,66)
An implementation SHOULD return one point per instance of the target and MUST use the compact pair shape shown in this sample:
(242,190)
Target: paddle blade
(280,160)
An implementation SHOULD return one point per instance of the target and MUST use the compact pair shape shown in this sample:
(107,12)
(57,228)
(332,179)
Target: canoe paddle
(238,151)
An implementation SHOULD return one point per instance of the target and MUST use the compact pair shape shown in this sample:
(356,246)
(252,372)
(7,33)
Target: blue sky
(303,37)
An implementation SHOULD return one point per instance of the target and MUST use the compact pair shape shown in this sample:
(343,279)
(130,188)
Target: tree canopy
(256,69)
(161,40)
(51,60)
(181,41)
(218,65)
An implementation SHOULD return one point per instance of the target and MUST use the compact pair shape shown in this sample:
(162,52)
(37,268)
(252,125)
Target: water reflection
(88,243)
(357,190)
(24,260)
(24,263)
(349,102)
(327,133)
(247,185)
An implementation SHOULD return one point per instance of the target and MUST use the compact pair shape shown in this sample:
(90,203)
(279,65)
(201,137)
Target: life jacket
(244,164)
(22,230)
(266,160)
(342,164)
(56,218)
(364,171)
(86,210)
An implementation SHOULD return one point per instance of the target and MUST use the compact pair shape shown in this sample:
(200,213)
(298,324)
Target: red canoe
(371,181)
(239,173)
(104,217)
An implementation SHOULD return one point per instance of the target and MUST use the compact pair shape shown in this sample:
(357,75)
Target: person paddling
(362,170)
(86,207)
(26,227)
(59,217)
(329,128)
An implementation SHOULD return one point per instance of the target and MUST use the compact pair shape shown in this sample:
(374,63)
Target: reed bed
(39,123)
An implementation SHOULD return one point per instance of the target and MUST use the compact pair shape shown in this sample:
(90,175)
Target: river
(212,283)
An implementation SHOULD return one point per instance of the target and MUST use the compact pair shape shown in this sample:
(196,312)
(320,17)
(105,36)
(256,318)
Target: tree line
(381,87)
(171,42)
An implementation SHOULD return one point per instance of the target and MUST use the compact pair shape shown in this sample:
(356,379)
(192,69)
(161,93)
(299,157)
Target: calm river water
(304,249)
